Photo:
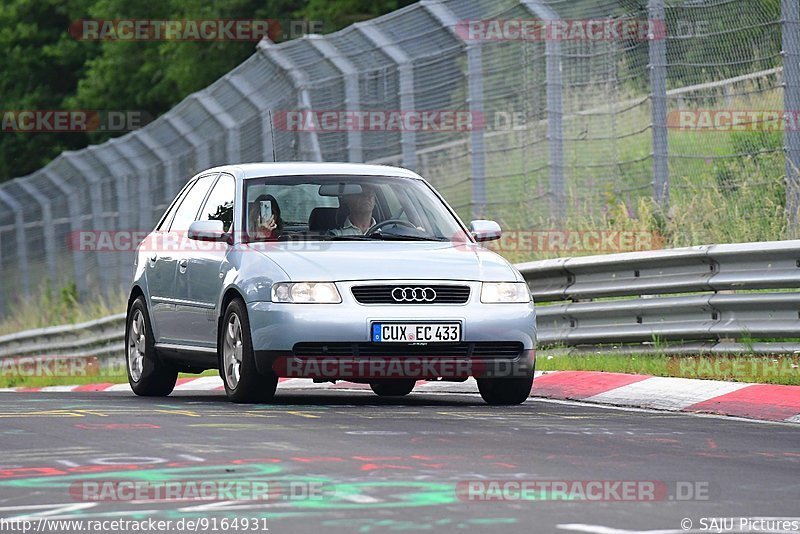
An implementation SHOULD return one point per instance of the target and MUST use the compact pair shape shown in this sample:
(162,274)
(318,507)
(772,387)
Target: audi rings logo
(414,294)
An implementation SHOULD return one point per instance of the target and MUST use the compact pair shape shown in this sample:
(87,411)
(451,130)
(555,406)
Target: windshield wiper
(377,236)
(403,237)
(348,238)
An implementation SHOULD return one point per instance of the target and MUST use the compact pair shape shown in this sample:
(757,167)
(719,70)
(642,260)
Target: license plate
(416,332)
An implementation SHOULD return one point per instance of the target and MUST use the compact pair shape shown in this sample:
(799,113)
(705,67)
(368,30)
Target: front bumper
(279,331)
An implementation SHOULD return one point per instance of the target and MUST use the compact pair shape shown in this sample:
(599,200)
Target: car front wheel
(147,374)
(243,383)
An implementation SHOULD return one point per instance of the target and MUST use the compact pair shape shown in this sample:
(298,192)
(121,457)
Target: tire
(237,364)
(393,388)
(505,391)
(147,374)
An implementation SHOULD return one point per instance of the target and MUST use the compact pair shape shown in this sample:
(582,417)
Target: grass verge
(54,307)
(783,370)
(108,378)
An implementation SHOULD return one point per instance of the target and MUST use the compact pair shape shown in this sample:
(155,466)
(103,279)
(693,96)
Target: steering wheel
(387,222)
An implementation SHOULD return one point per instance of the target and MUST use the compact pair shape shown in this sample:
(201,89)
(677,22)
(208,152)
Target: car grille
(480,349)
(414,294)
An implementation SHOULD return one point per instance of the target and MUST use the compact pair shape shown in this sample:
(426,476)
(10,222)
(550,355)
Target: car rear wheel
(243,383)
(392,388)
(505,391)
(147,374)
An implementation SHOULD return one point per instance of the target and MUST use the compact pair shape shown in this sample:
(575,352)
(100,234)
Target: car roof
(260,170)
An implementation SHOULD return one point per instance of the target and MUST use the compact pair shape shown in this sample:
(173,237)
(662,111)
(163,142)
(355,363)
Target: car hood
(381,260)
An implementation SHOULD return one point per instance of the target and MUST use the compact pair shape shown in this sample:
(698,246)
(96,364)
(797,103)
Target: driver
(360,218)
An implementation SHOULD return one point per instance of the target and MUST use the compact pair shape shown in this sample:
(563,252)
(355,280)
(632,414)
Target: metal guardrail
(715,298)
(101,337)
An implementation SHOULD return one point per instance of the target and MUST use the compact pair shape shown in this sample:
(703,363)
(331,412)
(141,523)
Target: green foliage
(755,142)
(69,297)
(725,41)
(44,68)
(39,65)
(57,306)
(340,13)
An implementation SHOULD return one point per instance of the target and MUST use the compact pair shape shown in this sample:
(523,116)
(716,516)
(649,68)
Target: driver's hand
(270,224)
(267,227)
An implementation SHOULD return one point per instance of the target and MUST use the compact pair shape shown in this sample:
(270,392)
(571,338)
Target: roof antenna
(272,135)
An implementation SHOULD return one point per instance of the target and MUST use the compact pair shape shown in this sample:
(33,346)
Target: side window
(219,206)
(167,217)
(187,212)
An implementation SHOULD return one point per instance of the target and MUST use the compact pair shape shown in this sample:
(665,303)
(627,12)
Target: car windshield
(346,208)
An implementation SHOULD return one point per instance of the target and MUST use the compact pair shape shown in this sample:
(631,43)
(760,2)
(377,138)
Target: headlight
(306,293)
(502,292)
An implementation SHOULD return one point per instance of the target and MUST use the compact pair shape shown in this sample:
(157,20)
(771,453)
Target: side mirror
(483,230)
(208,231)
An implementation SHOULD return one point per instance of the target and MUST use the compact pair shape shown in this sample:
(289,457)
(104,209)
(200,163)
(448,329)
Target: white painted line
(119,387)
(204,383)
(58,388)
(358,498)
(664,393)
(288,381)
(468,386)
(304,383)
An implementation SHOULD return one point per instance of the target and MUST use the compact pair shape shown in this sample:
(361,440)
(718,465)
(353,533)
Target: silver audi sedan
(326,271)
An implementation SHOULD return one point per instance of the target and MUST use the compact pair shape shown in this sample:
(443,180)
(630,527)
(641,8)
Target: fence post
(169,161)
(352,98)
(449,20)
(90,175)
(790,29)
(226,123)
(555,112)
(186,132)
(75,226)
(48,229)
(22,246)
(311,148)
(657,51)
(405,70)
(124,208)
(242,86)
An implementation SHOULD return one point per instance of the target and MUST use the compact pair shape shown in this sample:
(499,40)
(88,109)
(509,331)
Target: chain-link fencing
(546,115)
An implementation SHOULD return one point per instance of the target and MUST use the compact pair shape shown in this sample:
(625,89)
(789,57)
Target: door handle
(153,259)
(182,264)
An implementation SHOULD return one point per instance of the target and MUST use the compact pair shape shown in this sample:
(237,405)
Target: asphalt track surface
(381,465)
